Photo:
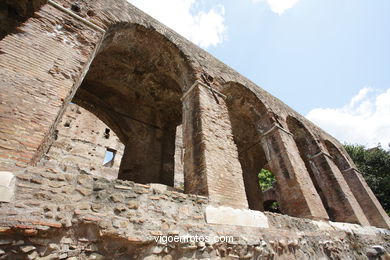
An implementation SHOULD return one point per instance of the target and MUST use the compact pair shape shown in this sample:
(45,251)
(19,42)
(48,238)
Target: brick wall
(82,140)
(40,68)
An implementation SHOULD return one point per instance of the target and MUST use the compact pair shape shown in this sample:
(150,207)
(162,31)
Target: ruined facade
(173,147)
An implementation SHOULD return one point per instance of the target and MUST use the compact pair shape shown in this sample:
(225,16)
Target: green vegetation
(266,179)
(374,164)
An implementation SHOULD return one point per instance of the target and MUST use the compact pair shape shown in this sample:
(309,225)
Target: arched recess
(249,118)
(337,197)
(307,147)
(338,158)
(134,85)
(365,197)
(262,142)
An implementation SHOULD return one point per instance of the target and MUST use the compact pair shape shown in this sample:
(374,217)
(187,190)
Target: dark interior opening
(271,206)
(107,133)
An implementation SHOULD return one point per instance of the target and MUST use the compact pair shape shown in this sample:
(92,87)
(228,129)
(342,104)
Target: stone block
(159,188)
(7,186)
(236,217)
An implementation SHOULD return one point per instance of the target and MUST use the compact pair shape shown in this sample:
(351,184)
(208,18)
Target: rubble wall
(60,215)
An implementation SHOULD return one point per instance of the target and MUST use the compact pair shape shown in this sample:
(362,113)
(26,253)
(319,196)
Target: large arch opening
(134,85)
(307,147)
(248,117)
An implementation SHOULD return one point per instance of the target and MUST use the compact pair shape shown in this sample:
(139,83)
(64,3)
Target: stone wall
(179,156)
(64,215)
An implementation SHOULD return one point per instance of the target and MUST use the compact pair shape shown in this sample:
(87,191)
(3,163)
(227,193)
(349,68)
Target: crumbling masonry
(114,130)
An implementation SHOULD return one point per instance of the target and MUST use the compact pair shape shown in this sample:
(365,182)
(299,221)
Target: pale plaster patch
(238,217)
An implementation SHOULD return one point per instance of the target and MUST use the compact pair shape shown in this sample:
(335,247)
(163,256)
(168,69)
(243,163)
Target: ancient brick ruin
(115,130)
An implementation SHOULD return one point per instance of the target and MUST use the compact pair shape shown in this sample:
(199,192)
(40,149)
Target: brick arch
(366,198)
(114,73)
(262,142)
(249,118)
(308,147)
(135,82)
(303,136)
(336,196)
(342,161)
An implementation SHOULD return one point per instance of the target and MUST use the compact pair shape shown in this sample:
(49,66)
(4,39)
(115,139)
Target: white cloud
(364,120)
(203,27)
(279,6)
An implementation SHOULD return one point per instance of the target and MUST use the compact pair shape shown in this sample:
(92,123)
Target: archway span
(302,135)
(308,147)
(340,159)
(360,189)
(262,142)
(134,85)
(334,191)
(249,118)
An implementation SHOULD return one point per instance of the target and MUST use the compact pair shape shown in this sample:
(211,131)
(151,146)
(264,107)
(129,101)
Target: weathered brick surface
(82,139)
(298,196)
(40,68)
(365,197)
(334,191)
(220,167)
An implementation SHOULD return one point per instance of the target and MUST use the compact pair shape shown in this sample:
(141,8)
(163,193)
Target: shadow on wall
(14,13)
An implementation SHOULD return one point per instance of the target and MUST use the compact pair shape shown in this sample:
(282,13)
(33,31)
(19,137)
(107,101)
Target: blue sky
(329,60)
(316,54)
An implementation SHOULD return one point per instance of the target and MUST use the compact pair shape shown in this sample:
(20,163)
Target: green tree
(374,164)
(266,179)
